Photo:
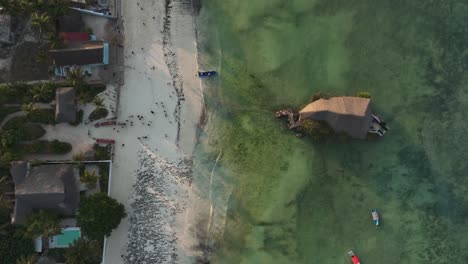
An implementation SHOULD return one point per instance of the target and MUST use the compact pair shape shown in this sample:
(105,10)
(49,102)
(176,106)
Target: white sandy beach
(152,162)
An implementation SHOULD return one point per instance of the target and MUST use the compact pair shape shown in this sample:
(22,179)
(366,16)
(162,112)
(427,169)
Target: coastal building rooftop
(81,53)
(351,115)
(65,110)
(45,187)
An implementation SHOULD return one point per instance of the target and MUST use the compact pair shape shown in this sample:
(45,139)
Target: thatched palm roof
(65,110)
(351,115)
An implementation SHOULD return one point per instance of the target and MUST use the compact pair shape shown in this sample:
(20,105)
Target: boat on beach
(207,73)
(354,258)
(375,217)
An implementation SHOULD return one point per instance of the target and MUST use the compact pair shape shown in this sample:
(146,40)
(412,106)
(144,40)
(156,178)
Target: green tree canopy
(13,244)
(76,78)
(83,251)
(8,139)
(42,223)
(99,215)
(41,21)
(31,259)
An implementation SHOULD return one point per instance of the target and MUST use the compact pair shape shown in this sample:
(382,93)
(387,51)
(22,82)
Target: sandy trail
(161,100)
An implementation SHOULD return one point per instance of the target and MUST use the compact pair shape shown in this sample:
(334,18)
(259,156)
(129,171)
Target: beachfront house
(52,187)
(83,54)
(65,108)
(345,114)
(102,8)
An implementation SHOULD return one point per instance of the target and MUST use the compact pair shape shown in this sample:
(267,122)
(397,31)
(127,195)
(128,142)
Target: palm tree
(89,178)
(40,21)
(98,102)
(31,259)
(28,108)
(78,158)
(76,78)
(42,223)
(55,42)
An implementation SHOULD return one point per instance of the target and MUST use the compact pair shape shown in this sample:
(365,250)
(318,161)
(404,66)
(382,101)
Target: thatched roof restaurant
(351,115)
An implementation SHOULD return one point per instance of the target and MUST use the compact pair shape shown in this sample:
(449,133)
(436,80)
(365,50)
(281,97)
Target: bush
(87,92)
(30,131)
(364,94)
(45,147)
(13,92)
(99,113)
(23,130)
(43,116)
(317,130)
(99,214)
(102,153)
(6,158)
(79,118)
(26,127)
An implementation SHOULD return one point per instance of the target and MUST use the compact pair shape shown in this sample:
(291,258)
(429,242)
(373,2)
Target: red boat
(354,258)
(105,141)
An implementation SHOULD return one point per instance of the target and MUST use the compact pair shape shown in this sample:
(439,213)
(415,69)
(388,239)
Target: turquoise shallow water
(297,201)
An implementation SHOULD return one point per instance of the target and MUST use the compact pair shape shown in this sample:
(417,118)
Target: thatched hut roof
(351,115)
(65,110)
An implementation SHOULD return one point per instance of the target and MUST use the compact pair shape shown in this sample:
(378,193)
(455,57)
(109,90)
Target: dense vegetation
(99,215)
(13,244)
(83,251)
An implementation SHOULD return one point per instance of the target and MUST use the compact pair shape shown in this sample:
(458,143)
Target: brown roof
(65,109)
(45,187)
(79,53)
(351,115)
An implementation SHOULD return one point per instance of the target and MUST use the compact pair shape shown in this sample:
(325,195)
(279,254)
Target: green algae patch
(294,201)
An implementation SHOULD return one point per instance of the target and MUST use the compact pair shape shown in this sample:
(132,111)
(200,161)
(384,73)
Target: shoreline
(153,157)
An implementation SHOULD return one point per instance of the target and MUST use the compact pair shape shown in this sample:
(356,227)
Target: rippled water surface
(281,199)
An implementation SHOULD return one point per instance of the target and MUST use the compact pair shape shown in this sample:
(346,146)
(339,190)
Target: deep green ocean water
(291,200)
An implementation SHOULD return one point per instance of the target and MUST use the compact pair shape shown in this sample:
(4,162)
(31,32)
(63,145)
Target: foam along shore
(161,101)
